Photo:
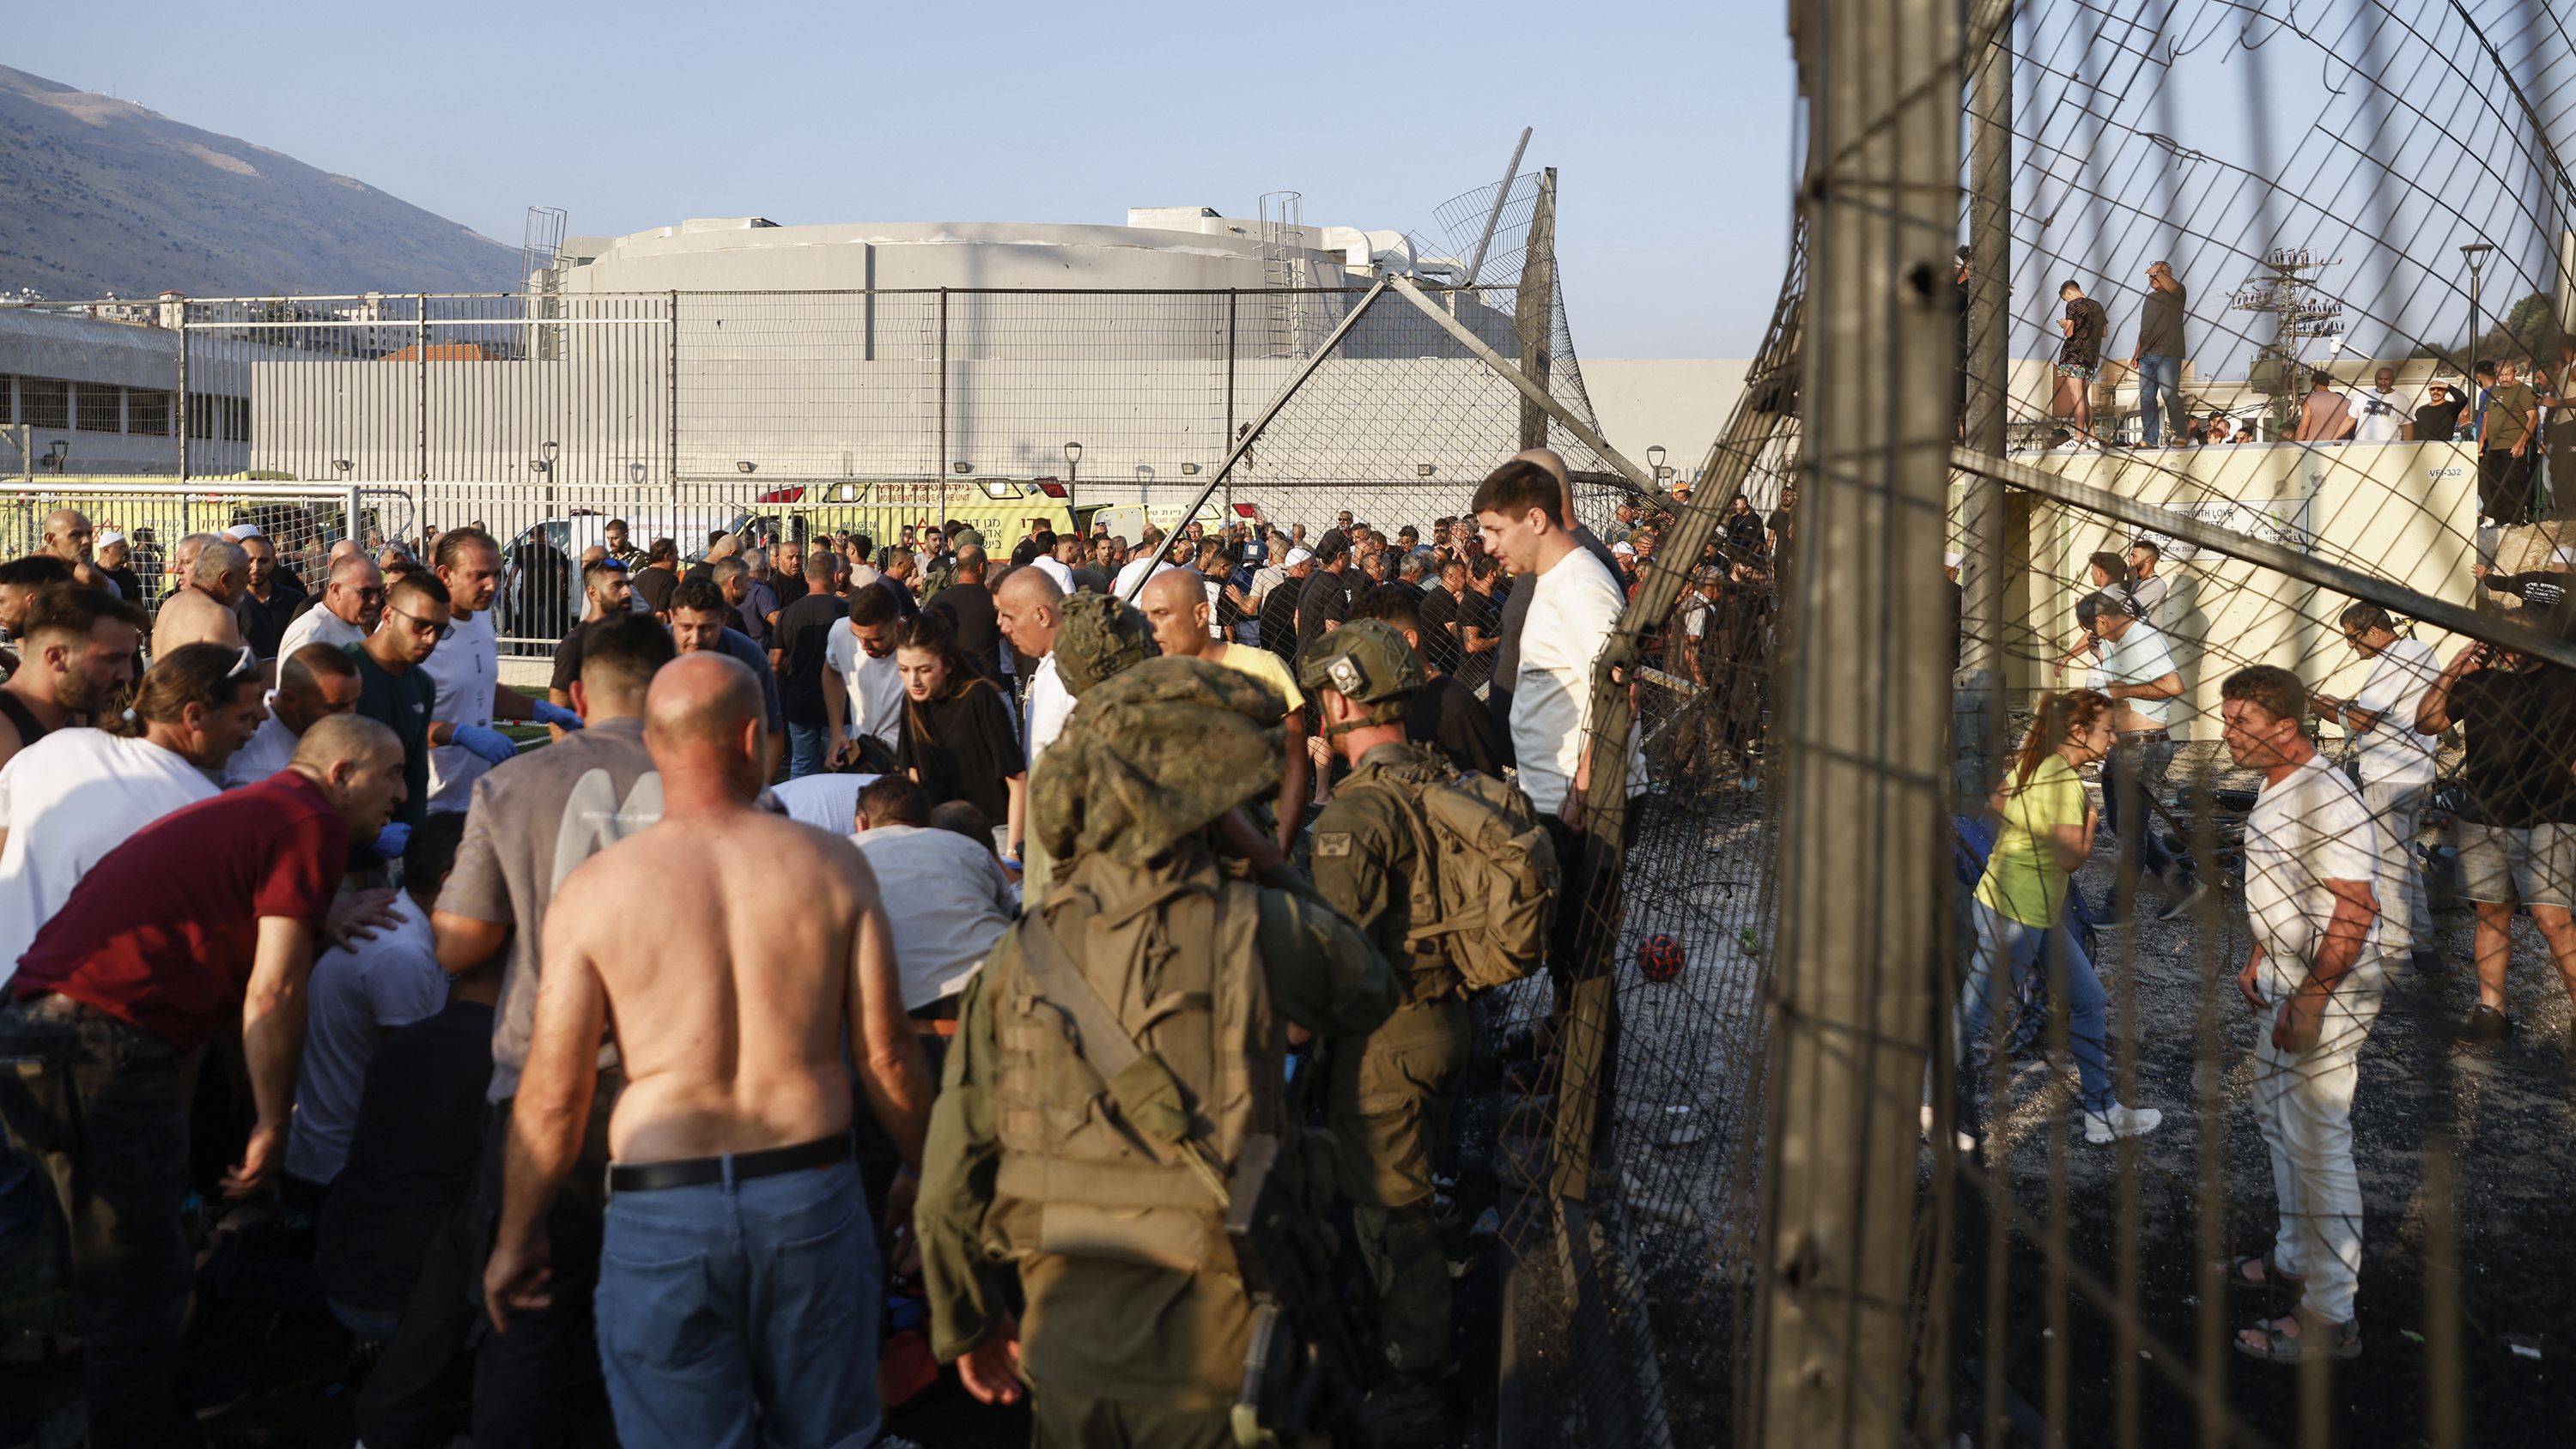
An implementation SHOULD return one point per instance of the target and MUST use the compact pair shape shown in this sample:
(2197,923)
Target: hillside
(104,196)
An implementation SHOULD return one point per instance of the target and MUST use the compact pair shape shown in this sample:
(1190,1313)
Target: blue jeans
(2139,765)
(2157,372)
(742,1313)
(809,749)
(2071,984)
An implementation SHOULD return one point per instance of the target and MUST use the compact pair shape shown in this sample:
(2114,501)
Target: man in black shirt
(605,591)
(1443,714)
(2518,833)
(268,602)
(1279,606)
(968,606)
(1324,604)
(804,638)
(787,573)
(2544,589)
(2438,420)
(659,576)
(1439,614)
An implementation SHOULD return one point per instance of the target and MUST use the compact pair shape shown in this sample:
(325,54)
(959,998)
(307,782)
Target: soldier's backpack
(1489,898)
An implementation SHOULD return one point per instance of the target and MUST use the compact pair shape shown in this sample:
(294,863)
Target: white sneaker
(1965,1141)
(2120,1122)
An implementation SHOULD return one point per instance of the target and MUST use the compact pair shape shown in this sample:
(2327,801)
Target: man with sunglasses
(352,604)
(395,691)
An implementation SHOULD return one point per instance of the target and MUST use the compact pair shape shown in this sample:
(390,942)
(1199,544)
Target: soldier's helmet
(1100,637)
(1366,660)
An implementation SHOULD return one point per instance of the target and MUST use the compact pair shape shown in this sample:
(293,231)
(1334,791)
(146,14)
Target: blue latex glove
(548,712)
(485,742)
(394,839)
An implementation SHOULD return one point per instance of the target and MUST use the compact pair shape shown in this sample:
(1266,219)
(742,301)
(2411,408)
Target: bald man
(352,604)
(202,612)
(731,1171)
(1029,607)
(68,536)
(313,683)
(1176,605)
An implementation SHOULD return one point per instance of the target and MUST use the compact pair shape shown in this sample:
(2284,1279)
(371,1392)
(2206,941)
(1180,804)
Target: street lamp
(2476,255)
(344,465)
(744,465)
(1072,474)
(57,455)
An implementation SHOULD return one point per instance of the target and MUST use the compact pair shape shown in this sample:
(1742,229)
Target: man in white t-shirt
(955,900)
(73,796)
(2314,979)
(352,603)
(1028,607)
(2396,767)
(1146,564)
(2383,412)
(862,689)
(2145,686)
(466,667)
(1573,612)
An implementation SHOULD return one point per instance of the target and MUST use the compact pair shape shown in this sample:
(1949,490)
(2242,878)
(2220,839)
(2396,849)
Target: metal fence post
(420,387)
(1534,309)
(1979,712)
(671,400)
(1867,703)
(179,398)
(943,385)
(1233,300)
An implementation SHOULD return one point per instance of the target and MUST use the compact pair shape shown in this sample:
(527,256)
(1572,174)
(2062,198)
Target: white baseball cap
(1297,556)
(1623,547)
(1953,560)
(240,531)
(111,538)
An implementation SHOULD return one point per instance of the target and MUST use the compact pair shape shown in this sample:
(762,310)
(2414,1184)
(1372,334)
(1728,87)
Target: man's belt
(736,1167)
(2145,737)
(939,1018)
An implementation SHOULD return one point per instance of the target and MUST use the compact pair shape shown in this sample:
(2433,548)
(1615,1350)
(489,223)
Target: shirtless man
(731,1143)
(202,612)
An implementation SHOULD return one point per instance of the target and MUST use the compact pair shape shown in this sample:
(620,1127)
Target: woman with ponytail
(2045,834)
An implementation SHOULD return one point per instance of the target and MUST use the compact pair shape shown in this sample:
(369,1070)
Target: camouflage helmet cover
(1100,637)
(1365,660)
(1152,756)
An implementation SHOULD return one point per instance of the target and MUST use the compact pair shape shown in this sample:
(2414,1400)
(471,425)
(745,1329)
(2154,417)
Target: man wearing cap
(2144,685)
(1278,601)
(353,600)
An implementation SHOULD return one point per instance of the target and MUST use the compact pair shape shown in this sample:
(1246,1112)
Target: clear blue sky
(1668,123)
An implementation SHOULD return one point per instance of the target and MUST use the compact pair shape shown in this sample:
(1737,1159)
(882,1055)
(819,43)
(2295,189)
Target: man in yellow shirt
(1176,607)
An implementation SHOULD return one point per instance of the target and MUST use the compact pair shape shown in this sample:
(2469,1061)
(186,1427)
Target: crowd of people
(854,963)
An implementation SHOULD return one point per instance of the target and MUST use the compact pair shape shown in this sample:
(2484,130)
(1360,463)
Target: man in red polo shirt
(210,910)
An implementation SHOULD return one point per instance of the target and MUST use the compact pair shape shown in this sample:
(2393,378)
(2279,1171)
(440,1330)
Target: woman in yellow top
(2046,832)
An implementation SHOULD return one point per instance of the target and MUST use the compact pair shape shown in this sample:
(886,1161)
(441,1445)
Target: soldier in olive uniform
(1103,1182)
(1099,637)
(1391,1097)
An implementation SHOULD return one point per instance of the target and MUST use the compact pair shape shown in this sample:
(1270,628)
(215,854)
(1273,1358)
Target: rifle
(1301,1375)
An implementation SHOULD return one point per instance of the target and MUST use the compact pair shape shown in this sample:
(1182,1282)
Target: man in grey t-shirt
(529,823)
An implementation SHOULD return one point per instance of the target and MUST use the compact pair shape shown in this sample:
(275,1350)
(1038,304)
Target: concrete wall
(2404,512)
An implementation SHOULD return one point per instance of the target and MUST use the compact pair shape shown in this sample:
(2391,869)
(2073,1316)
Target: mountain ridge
(110,197)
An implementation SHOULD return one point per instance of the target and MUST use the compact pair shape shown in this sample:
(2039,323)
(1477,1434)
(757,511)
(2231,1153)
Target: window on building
(147,413)
(201,415)
(8,398)
(236,412)
(44,402)
(102,409)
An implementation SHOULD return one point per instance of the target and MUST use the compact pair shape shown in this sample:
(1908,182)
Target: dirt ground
(2512,1213)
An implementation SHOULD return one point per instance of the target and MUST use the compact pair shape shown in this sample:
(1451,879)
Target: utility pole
(1979,713)
(1867,704)
(1534,308)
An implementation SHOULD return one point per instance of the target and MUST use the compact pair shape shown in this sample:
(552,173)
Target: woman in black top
(2079,358)
(956,739)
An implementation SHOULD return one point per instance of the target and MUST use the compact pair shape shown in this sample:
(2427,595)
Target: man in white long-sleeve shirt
(2396,767)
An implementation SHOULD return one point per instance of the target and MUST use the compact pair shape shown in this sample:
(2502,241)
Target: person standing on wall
(2158,356)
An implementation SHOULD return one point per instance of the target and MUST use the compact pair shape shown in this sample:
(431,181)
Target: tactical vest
(1484,884)
(1089,1167)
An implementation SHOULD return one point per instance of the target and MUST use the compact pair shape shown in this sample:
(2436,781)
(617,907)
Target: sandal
(2241,1275)
(2317,1338)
